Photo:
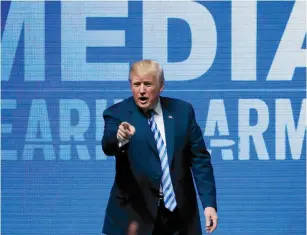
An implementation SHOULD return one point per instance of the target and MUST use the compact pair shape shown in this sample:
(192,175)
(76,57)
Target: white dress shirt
(159,120)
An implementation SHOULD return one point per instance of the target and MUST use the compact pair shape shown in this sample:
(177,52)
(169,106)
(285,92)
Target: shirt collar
(158,108)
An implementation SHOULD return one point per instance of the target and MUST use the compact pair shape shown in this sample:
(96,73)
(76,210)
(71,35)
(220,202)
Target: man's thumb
(131,129)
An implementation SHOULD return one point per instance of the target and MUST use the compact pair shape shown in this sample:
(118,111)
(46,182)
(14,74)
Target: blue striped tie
(167,186)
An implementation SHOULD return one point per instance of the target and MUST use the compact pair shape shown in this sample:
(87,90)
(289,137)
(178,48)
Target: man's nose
(142,89)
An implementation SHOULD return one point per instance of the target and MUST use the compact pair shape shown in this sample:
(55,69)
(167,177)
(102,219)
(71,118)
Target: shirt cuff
(122,143)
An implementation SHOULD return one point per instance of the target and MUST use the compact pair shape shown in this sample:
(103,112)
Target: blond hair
(147,68)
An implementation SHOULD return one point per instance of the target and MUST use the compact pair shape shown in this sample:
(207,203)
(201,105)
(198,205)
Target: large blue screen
(242,65)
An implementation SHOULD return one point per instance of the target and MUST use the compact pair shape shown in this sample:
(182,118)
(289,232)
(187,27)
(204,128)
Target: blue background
(57,196)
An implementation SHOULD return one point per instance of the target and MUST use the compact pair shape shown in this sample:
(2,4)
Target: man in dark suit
(158,148)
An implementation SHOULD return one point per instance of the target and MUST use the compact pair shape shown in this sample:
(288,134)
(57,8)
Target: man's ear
(162,87)
(130,85)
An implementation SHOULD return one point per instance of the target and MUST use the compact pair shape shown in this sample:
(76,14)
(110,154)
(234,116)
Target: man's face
(146,90)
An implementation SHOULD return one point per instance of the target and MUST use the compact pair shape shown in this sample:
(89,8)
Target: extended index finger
(125,125)
(128,127)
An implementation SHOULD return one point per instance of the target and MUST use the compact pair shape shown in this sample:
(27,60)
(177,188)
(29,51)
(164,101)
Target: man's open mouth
(143,98)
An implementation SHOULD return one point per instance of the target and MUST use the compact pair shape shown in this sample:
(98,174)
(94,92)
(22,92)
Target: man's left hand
(211,219)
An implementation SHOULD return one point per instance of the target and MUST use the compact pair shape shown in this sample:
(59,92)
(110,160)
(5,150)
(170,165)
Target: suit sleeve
(109,140)
(201,164)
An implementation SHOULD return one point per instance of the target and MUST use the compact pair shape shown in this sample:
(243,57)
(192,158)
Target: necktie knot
(150,113)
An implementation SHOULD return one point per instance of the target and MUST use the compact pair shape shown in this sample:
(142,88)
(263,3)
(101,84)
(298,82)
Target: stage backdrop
(242,64)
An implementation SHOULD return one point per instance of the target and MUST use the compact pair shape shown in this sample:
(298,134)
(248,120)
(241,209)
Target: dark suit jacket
(138,172)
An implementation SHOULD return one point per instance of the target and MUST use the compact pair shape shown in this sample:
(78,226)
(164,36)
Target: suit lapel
(140,122)
(169,127)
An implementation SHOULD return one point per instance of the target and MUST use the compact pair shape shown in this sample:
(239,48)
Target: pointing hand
(125,131)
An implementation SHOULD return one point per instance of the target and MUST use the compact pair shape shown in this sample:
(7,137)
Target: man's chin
(143,106)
